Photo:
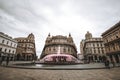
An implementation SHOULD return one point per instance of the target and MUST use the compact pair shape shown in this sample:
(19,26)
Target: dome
(88,35)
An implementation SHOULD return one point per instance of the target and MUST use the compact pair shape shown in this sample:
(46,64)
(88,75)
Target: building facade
(81,46)
(59,49)
(93,49)
(80,56)
(111,39)
(7,46)
(26,48)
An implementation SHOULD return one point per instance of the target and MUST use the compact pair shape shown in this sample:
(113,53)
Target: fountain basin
(31,65)
(59,59)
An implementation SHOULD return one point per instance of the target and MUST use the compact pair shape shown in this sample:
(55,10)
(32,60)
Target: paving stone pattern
(37,74)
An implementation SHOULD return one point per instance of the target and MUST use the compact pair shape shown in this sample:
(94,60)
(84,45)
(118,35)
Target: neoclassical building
(92,48)
(111,39)
(59,49)
(26,48)
(7,46)
(81,46)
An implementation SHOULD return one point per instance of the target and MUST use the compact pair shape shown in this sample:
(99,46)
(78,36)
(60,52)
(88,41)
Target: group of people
(2,59)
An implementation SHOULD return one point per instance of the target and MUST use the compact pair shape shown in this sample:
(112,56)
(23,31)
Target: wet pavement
(28,65)
(7,73)
(93,71)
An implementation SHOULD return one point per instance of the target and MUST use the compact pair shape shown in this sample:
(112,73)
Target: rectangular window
(49,49)
(9,51)
(119,44)
(64,50)
(14,45)
(102,51)
(98,50)
(93,45)
(7,42)
(5,50)
(94,51)
(3,41)
(11,44)
(97,45)
(0,49)
(12,51)
(68,49)
(113,47)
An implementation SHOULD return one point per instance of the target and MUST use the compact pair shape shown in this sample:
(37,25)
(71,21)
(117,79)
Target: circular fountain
(59,58)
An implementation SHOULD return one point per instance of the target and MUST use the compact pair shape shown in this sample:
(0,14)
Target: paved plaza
(7,73)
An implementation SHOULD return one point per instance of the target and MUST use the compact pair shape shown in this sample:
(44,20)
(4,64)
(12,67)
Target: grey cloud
(102,13)
(98,10)
(21,10)
(21,17)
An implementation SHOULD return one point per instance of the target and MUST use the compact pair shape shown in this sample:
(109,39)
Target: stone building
(81,46)
(111,39)
(80,56)
(92,48)
(26,48)
(7,46)
(59,49)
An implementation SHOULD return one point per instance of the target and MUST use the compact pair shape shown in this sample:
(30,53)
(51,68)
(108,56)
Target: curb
(21,67)
(16,65)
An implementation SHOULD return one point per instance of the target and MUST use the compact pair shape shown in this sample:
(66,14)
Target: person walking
(113,63)
(7,60)
(1,60)
(107,64)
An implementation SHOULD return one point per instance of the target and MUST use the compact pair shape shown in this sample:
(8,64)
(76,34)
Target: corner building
(111,39)
(26,50)
(92,48)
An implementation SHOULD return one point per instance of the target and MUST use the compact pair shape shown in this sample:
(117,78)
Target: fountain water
(59,58)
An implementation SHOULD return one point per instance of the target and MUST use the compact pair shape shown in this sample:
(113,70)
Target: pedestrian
(1,60)
(113,63)
(107,64)
(33,61)
(7,60)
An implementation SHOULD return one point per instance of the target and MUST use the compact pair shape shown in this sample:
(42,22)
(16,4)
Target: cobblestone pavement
(36,74)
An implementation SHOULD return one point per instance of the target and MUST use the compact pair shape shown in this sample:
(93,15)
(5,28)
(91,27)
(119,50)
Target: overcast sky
(18,18)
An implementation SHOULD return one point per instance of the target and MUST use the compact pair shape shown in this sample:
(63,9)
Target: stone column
(98,58)
(116,46)
(108,58)
(25,57)
(88,58)
(119,58)
(93,58)
(113,58)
